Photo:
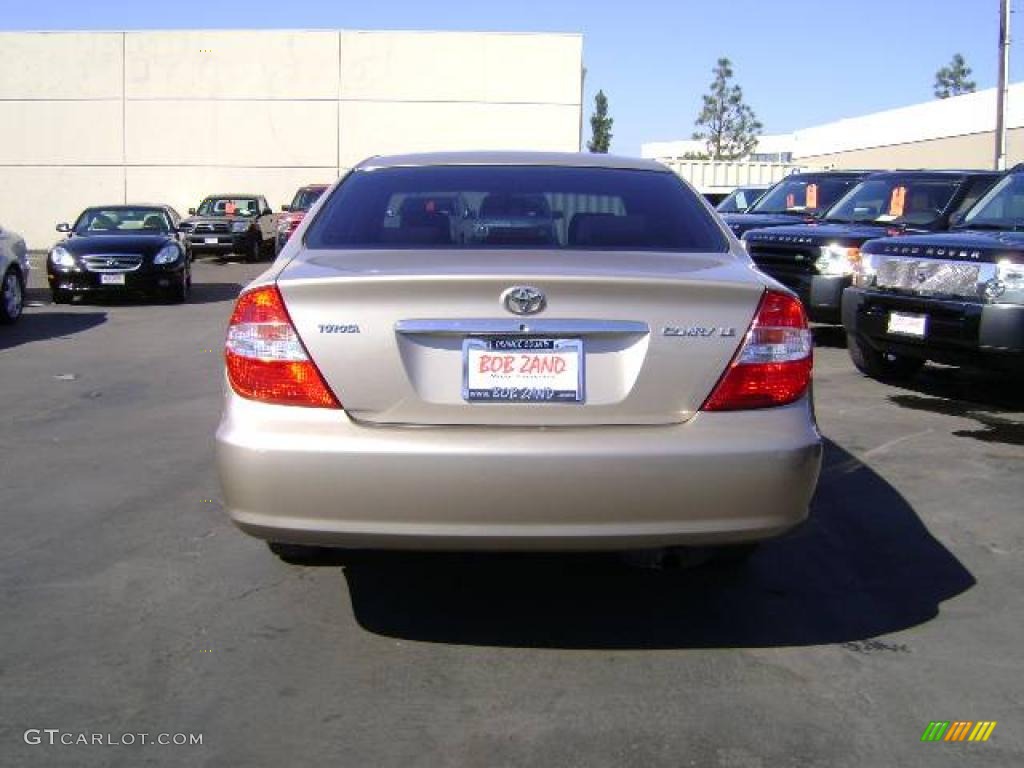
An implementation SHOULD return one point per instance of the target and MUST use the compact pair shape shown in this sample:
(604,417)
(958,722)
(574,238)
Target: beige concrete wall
(61,65)
(215,64)
(92,118)
(971,151)
(370,128)
(34,199)
(184,187)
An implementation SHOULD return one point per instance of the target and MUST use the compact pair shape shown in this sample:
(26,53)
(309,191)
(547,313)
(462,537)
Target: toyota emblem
(523,300)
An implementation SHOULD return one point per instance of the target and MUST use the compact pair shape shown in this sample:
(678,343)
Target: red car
(296,212)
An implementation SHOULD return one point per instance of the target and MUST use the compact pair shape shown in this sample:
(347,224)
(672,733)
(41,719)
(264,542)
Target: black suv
(242,224)
(817,260)
(799,197)
(955,297)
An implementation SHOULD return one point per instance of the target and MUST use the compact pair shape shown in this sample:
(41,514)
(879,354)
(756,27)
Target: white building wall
(92,118)
(954,132)
(971,113)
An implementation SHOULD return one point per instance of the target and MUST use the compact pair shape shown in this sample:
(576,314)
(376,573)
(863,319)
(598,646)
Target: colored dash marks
(958,730)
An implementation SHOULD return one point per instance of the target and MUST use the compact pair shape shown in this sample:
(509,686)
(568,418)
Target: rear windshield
(803,195)
(515,207)
(895,200)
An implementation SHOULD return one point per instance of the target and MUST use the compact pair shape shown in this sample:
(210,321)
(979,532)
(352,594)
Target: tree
(726,124)
(952,80)
(600,125)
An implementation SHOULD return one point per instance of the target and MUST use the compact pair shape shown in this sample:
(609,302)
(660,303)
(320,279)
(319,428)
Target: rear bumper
(312,476)
(957,332)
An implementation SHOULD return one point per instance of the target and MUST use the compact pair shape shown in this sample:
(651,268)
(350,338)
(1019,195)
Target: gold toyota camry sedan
(516,351)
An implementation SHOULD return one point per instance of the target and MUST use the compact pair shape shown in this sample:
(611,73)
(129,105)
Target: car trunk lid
(388,329)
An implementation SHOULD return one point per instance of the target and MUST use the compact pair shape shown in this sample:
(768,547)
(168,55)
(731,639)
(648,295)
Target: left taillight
(289,223)
(265,358)
(773,367)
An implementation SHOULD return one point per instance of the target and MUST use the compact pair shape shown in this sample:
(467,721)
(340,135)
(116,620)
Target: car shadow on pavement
(211,293)
(833,336)
(991,399)
(201,293)
(864,565)
(39,325)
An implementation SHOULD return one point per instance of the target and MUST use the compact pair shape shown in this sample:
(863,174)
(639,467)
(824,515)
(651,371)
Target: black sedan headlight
(169,254)
(61,258)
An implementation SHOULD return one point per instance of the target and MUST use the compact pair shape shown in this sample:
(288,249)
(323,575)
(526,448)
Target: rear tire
(12,297)
(178,294)
(880,365)
(253,253)
(736,555)
(305,554)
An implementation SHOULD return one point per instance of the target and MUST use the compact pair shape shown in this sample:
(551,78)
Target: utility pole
(1004,66)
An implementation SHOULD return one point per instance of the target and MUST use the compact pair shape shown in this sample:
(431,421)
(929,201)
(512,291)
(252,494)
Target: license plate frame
(523,350)
(116,279)
(907,324)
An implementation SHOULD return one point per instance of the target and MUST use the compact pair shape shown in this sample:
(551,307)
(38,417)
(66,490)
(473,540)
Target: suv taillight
(265,358)
(773,367)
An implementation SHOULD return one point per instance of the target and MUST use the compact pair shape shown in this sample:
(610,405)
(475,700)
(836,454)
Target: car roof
(553,159)
(937,173)
(837,174)
(119,206)
(232,195)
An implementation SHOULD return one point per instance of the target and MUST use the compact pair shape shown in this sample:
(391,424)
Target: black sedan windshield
(1001,208)
(229,206)
(806,195)
(895,200)
(122,221)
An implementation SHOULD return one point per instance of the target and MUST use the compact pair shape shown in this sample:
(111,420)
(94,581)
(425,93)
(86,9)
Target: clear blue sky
(800,62)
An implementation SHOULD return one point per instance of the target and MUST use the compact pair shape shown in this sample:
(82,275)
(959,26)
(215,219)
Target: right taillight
(265,358)
(773,367)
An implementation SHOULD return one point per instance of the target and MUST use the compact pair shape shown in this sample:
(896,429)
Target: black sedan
(121,249)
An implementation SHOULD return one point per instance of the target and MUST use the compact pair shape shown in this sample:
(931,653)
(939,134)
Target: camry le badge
(697,331)
(523,300)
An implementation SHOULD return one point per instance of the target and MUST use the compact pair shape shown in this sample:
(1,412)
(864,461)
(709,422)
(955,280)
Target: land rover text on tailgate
(817,260)
(516,351)
(797,198)
(955,297)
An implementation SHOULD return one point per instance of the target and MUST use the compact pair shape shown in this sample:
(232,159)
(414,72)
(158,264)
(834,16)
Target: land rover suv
(955,297)
(816,260)
(799,197)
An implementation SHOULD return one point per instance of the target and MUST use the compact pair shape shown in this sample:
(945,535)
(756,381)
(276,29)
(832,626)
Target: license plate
(522,370)
(211,240)
(111,279)
(908,325)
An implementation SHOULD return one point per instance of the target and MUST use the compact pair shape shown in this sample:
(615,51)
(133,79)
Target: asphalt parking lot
(131,604)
